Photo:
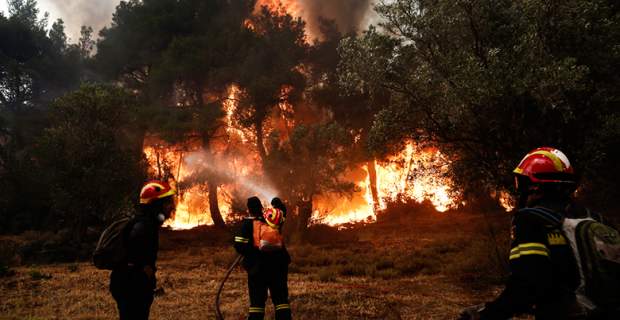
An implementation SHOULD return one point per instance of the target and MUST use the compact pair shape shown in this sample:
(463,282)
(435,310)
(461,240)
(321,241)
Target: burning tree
(269,74)
(481,81)
(310,163)
(186,72)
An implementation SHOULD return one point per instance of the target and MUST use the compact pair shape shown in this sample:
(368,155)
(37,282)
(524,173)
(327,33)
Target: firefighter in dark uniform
(544,273)
(132,286)
(267,271)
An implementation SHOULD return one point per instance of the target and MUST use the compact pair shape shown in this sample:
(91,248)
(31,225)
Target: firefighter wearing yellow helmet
(544,272)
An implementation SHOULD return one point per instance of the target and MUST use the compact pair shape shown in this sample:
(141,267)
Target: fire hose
(218,312)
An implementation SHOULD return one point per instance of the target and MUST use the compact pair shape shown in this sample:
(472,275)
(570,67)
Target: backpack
(111,250)
(266,237)
(596,248)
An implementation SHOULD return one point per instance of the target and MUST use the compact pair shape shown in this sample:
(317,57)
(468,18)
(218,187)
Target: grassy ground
(427,267)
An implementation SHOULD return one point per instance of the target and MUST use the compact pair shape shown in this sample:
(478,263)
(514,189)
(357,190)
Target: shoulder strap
(544,213)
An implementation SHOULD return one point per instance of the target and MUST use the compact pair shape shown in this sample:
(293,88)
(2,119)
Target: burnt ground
(416,266)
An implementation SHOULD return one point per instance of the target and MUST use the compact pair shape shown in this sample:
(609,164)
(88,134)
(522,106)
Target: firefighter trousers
(272,279)
(133,292)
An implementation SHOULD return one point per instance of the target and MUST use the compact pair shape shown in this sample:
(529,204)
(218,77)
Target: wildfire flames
(193,203)
(506,201)
(416,173)
(291,7)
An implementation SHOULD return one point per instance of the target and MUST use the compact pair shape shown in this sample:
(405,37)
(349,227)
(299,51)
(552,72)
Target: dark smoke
(350,15)
(76,13)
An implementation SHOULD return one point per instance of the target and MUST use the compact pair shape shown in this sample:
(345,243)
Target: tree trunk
(214,207)
(372,177)
(305,213)
(260,144)
(212,186)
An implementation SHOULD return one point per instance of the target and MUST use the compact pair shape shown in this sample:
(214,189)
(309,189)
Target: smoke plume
(349,15)
(77,13)
(203,166)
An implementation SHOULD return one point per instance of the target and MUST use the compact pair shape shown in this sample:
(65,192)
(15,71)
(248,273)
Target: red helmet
(546,165)
(273,216)
(154,189)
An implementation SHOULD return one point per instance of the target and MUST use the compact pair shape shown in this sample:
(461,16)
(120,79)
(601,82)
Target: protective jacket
(267,272)
(544,273)
(252,257)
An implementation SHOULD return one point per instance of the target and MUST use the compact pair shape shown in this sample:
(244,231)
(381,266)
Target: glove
(471,313)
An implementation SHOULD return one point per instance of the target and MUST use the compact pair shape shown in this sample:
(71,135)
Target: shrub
(5,271)
(38,275)
(354,269)
(327,275)
(73,268)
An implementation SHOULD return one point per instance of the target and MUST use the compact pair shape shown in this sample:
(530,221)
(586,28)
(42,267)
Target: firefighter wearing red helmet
(544,273)
(132,285)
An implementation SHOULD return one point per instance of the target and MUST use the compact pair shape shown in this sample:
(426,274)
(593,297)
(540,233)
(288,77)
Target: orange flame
(291,7)
(193,203)
(506,201)
(230,107)
(414,174)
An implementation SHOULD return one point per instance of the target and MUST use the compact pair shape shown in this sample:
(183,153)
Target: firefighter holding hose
(548,278)
(266,259)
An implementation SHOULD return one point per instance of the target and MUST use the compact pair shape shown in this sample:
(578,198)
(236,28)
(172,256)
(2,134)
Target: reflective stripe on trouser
(241,240)
(273,280)
(283,306)
(256,313)
(283,311)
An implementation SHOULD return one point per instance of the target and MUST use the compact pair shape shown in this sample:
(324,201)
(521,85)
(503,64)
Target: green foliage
(57,35)
(34,69)
(91,157)
(275,50)
(33,66)
(490,80)
(86,43)
(310,163)
(155,45)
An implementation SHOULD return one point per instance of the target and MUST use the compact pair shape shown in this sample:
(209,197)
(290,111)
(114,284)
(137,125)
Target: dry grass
(427,269)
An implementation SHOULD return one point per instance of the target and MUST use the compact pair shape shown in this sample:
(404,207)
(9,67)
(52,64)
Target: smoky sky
(350,15)
(76,13)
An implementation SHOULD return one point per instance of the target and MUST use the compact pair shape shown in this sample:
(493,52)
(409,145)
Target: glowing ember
(507,201)
(230,107)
